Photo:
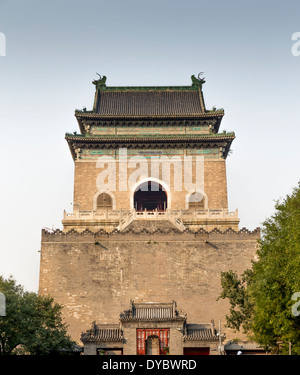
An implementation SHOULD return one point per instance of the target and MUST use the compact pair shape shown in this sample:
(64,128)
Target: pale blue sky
(53,50)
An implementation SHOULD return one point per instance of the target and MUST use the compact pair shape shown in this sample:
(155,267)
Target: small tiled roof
(200,334)
(152,311)
(242,345)
(102,333)
(149,103)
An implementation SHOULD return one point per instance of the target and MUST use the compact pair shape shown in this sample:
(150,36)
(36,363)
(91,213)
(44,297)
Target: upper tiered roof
(152,102)
(148,102)
(117,110)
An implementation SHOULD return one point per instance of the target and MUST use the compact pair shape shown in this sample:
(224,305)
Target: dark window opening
(150,196)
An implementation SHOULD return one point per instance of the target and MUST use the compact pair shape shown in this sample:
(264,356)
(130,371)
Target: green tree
(241,305)
(262,301)
(33,324)
(276,277)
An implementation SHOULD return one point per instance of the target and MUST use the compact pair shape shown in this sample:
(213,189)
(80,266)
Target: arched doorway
(150,196)
(152,345)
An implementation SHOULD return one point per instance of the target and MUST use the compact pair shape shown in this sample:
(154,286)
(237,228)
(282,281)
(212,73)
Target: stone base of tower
(95,275)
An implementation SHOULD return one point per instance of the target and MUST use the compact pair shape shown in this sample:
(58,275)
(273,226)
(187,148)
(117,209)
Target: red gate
(142,335)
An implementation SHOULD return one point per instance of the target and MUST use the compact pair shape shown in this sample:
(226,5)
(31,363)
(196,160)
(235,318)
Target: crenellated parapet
(142,231)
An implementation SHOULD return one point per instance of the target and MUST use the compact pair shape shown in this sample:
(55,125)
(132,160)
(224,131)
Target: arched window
(104,201)
(150,196)
(196,201)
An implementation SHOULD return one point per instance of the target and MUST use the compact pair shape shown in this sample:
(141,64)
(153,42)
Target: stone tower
(150,221)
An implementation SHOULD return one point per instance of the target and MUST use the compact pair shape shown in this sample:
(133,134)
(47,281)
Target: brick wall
(85,188)
(96,275)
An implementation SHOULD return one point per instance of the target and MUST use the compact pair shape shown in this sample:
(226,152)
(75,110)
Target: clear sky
(55,48)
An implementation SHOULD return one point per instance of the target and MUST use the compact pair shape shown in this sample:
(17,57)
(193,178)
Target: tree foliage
(241,305)
(33,324)
(261,302)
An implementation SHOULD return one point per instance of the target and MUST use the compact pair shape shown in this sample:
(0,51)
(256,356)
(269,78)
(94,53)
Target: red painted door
(142,334)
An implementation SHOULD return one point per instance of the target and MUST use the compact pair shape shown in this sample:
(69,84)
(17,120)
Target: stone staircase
(163,222)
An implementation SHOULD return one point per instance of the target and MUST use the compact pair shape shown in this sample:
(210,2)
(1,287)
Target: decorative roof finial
(100,83)
(198,81)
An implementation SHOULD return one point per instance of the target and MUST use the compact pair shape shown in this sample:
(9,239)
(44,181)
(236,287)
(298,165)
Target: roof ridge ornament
(198,81)
(100,83)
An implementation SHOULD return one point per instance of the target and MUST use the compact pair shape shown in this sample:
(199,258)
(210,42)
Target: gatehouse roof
(103,333)
(148,312)
(201,332)
(152,311)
